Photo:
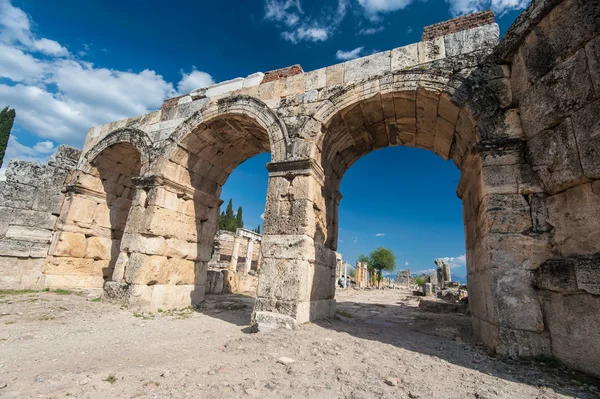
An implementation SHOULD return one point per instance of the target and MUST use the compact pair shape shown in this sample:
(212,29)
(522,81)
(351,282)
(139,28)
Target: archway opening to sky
(403,199)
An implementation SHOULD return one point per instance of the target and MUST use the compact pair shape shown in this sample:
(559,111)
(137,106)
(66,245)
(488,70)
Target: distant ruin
(138,213)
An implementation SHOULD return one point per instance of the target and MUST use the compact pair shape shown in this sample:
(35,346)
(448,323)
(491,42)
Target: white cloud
(374,7)
(50,47)
(299,26)
(371,31)
(59,98)
(349,55)
(379,234)
(193,80)
(405,263)
(18,66)
(355,240)
(262,216)
(500,7)
(456,261)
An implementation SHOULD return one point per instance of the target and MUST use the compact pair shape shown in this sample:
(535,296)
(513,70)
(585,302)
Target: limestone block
(199,252)
(403,57)
(102,215)
(253,80)
(574,329)
(517,251)
(470,40)
(65,157)
(26,233)
(431,50)
(17,195)
(18,274)
(72,245)
(177,248)
(576,233)
(48,201)
(505,214)
(23,249)
(367,67)
(294,85)
(285,279)
(146,269)
(225,87)
(181,271)
(267,322)
(73,281)
(316,80)
(555,158)
(33,174)
(158,221)
(79,209)
(592,50)
(299,247)
(100,248)
(563,90)
(75,267)
(335,75)
(586,126)
(149,245)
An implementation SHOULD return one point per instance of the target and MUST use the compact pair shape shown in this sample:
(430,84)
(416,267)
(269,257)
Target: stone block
(509,213)
(149,245)
(23,249)
(222,88)
(19,274)
(17,195)
(562,91)
(34,174)
(266,322)
(73,281)
(79,209)
(517,251)
(586,125)
(592,50)
(100,248)
(431,50)
(72,245)
(367,67)
(31,234)
(75,267)
(574,215)
(146,269)
(404,57)
(469,40)
(316,80)
(574,329)
(181,271)
(335,75)
(285,280)
(555,158)
(65,157)
(177,248)
(48,201)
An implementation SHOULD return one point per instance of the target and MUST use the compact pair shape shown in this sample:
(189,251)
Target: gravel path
(380,346)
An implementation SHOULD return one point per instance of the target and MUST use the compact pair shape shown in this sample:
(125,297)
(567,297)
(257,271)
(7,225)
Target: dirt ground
(381,345)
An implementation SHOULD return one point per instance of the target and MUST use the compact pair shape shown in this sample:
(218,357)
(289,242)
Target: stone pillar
(235,252)
(428,289)
(297,281)
(447,273)
(249,255)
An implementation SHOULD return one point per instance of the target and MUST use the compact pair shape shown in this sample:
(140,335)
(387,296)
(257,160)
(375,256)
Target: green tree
(382,259)
(352,272)
(7,118)
(227,219)
(239,219)
(258,229)
(420,281)
(222,224)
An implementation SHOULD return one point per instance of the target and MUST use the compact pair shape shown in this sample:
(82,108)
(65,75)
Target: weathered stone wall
(554,50)
(223,250)
(30,202)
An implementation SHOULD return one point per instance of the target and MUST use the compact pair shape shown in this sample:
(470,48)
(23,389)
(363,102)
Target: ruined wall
(30,202)
(223,249)
(554,50)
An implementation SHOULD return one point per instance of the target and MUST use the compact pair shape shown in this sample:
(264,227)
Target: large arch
(93,219)
(166,249)
(433,110)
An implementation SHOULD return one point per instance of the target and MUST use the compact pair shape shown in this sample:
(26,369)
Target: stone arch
(95,213)
(238,105)
(136,137)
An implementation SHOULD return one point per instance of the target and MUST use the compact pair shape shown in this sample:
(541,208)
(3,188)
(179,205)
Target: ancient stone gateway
(518,118)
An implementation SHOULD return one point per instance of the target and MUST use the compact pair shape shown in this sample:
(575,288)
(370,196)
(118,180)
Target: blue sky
(66,66)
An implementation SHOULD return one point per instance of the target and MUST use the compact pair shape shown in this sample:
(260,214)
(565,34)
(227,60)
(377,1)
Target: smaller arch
(136,137)
(237,105)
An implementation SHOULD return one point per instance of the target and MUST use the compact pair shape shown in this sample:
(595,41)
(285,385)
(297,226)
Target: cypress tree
(7,118)
(222,221)
(230,221)
(258,229)
(239,218)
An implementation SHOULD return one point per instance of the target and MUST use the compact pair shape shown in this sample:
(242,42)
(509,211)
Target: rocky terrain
(381,345)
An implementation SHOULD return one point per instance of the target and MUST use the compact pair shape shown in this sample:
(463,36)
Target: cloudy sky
(67,65)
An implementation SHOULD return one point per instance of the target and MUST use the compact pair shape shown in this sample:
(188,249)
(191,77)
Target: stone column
(235,252)
(249,255)
(297,281)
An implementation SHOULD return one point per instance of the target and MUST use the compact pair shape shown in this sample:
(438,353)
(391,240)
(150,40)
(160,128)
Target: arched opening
(167,258)
(93,219)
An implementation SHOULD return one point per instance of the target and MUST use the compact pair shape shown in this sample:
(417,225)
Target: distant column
(249,255)
(235,253)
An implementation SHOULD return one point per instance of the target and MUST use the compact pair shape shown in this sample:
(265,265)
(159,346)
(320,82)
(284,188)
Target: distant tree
(258,229)
(222,221)
(227,219)
(239,219)
(7,118)
(352,272)
(382,259)
(420,281)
